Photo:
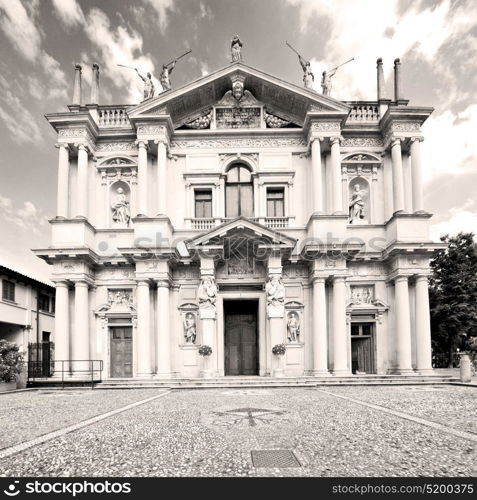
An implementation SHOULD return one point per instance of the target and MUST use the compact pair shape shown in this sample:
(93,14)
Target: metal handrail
(92,367)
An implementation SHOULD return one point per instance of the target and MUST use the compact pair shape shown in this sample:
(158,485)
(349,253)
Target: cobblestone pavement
(29,414)
(213,432)
(453,406)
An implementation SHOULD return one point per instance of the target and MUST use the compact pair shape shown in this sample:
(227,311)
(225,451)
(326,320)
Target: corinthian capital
(142,144)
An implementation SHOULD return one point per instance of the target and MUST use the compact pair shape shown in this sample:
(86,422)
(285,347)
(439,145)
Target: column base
(425,371)
(341,373)
(402,371)
(144,375)
(320,373)
(278,373)
(209,374)
(163,375)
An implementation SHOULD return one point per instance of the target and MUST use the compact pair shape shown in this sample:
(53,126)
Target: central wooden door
(241,351)
(362,348)
(121,351)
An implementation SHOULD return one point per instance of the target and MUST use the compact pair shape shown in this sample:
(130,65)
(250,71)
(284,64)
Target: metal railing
(70,370)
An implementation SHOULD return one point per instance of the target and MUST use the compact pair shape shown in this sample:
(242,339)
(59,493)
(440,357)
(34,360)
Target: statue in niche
(120,208)
(275,291)
(190,331)
(207,293)
(293,327)
(356,204)
(236,48)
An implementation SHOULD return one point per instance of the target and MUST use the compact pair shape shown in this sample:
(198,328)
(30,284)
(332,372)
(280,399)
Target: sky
(40,40)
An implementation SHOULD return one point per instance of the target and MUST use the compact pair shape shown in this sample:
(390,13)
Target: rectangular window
(45,336)
(8,290)
(44,302)
(275,202)
(203,204)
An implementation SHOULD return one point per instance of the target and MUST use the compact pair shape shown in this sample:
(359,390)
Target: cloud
(162,9)
(68,11)
(118,46)
(19,121)
(369,29)
(462,221)
(27,217)
(450,145)
(21,27)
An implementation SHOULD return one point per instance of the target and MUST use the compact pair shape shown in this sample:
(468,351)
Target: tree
(453,294)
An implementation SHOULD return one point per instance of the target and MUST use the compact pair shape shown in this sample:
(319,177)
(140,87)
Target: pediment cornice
(275,94)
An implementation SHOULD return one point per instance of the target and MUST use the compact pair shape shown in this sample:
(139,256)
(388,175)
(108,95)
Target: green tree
(453,294)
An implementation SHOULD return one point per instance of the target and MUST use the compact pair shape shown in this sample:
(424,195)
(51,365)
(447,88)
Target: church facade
(241,216)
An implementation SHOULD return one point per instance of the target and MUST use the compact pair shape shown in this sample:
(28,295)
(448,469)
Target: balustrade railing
(364,113)
(113,117)
(202,224)
(277,222)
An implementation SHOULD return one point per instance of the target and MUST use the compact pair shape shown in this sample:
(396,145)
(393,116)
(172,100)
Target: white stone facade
(152,258)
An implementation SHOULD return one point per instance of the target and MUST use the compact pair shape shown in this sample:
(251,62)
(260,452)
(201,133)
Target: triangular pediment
(243,227)
(282,99)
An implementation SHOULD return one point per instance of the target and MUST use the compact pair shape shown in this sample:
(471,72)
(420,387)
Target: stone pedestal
(465,368)
(209,363)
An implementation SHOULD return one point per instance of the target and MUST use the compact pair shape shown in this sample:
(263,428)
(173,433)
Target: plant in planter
(11,361)
(279,349)
(205,350)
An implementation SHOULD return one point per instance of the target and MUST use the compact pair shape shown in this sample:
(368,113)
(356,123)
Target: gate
(41,356)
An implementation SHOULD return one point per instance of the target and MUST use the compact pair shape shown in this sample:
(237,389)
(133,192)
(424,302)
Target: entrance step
(267,382)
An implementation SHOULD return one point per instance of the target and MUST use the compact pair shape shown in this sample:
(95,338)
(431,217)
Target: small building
(27,314)
(241,212)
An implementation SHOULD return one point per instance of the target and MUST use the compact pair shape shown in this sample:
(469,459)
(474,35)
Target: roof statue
(147,79)
(236,48)
(167,70)
(308,77)
(327,75)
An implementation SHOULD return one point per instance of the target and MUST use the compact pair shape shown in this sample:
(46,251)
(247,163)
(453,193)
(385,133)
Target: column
(320,335)
(63,182)
(337,195)
(143,341)
(398,176)
(81,353)
(161,178)
(62,327)
(340,333)
(142,178)
(163,330)
(416,175)
(317,175)
(423,326)
(77,93)
(82,182)
(403,325)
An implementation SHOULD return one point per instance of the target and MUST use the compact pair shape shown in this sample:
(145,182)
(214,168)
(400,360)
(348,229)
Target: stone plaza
(333,431)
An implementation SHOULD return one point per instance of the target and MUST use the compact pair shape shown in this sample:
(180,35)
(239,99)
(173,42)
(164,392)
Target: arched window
(239,191)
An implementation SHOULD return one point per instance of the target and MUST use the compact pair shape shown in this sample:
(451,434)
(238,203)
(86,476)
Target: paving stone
(175,436)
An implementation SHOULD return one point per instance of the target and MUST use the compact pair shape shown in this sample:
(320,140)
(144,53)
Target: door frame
(374,361)
(257,346)
(263,341)
(127,322)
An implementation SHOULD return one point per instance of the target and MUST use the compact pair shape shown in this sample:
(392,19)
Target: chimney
(77,86)
(379,65)
(95,85)
(397,80)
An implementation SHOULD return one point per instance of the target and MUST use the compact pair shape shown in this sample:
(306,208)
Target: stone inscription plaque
(237,117)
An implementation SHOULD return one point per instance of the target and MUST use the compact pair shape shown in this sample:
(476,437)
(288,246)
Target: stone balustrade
(364,113)
(113,117)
